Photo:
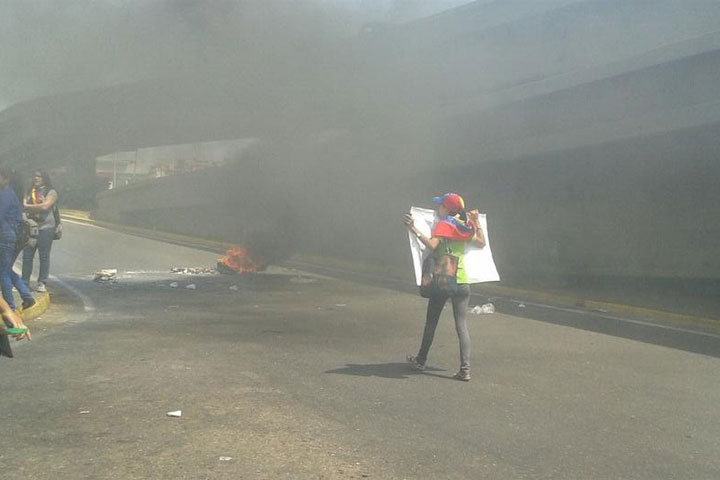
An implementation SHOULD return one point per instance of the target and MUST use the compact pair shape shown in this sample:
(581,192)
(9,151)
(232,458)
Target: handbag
(26,233)
(439,275)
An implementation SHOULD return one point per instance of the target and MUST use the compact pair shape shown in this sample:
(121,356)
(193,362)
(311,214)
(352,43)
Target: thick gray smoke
(50,46)
(358,112)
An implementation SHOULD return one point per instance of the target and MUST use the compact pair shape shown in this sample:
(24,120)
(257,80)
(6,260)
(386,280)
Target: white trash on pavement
(106,275)
(485,309)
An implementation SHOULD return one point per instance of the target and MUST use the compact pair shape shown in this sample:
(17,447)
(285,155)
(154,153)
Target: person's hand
(474,215)
(409,222)
(15,321)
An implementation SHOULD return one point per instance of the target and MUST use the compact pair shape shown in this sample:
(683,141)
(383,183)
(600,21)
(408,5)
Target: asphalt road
(287,376)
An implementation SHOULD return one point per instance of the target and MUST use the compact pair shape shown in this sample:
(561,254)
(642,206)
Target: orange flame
(241,260)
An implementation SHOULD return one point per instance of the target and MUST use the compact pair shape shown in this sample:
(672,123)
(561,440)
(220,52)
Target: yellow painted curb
(600,306)
(42,303)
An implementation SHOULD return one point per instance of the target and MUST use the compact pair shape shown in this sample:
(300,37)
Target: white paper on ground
(479,262)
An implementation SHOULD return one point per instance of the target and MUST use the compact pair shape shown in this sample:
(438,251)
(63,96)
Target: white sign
(479,263)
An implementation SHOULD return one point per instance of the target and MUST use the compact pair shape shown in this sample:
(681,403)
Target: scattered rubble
(193,271)
(485,309)
(106,275)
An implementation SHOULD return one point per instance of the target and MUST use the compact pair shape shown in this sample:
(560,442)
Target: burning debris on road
(240,260)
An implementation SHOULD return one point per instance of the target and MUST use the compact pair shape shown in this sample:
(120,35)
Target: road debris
(240,259)
(193,271)
(485,309)
(176,413)
(106,275)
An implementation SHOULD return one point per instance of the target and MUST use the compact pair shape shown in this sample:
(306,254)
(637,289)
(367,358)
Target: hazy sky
(49,46)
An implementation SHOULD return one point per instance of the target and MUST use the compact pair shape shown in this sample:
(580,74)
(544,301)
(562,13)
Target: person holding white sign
(453,230)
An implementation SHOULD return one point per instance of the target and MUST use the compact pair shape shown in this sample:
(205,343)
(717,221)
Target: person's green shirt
(457,249)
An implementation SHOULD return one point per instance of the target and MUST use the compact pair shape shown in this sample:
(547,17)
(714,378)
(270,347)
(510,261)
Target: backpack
(439,274)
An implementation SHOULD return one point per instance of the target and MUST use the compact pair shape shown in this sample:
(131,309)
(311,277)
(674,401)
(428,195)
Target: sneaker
(41,288)
(463,376)
(414,363)
(28,303)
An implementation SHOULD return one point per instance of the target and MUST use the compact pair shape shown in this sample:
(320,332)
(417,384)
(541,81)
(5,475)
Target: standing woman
(453,230)
(39,204)
(10,219)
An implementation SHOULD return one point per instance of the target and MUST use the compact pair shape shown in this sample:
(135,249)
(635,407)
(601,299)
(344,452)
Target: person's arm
(431,242)
(46,205)
(478,238)
(13,319)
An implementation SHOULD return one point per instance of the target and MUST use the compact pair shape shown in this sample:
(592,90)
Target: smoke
(48,46)
(348,111)
(51,46)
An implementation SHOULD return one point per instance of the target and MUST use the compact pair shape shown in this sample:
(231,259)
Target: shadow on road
(384,370)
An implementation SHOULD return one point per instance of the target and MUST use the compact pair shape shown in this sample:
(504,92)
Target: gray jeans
(435,307)
(44,244)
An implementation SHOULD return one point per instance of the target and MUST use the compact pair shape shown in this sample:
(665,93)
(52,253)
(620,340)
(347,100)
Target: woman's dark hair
(14,181)
(47,183)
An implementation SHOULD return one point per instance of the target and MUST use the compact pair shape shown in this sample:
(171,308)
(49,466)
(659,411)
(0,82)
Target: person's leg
(45,240)
(27,264)
(434,309)
(7,292)
(18,283)
(7,247)
(460,303)
(22,288)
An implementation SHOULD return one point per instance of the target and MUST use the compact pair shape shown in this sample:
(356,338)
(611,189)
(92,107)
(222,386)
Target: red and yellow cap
(451,201)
